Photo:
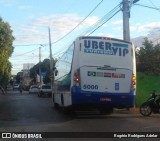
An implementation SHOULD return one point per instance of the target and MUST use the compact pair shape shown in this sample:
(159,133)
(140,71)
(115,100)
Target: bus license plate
(105,99)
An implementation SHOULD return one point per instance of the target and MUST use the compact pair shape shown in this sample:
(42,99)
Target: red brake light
(77,78)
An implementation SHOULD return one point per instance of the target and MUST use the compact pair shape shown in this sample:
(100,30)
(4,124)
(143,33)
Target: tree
(6,50)
(19,77)
(45,67)
(149,57)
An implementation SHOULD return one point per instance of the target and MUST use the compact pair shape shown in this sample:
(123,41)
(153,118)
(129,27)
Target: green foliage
(6,50)
(146,83)
(148,67)
(45,67)
(34,71)
(19,77)
(149,58)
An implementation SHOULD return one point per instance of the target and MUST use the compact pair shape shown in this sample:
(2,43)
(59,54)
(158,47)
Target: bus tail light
(77,78)
(133,81)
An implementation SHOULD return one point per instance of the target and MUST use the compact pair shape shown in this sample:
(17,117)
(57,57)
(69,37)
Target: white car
(15,86)
(34,89)
(45,90)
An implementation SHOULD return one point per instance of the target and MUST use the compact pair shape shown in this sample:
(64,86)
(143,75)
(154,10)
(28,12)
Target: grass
(146,83)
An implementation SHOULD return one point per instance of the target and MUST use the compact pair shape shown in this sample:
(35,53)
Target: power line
(68,32)
(31,45)
(155,8)
(64,35)
(103,20)
(72,29)
(152,3)
(56,56)
(25,53)
(78,23)
(100,23)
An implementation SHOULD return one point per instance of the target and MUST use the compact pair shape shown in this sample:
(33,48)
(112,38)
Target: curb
(134,109)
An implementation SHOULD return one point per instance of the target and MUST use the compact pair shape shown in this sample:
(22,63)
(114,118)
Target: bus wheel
(105,111)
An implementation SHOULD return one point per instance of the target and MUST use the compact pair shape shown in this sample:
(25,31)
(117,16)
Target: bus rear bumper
(95,99)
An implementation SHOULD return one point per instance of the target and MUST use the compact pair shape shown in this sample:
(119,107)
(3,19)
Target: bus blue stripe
(120,45)
(117,99)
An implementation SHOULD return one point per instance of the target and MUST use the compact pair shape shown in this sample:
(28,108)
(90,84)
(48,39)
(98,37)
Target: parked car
(15,86)
(45,90)
(34,89)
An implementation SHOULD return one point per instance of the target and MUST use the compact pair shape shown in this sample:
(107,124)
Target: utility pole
(126,16)
(40,65)
(51,61)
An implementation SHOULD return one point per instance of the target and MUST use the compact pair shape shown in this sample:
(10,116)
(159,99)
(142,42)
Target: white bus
(96,72)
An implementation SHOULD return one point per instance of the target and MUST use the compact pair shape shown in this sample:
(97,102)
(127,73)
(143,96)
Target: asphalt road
(28,109)
(30,113)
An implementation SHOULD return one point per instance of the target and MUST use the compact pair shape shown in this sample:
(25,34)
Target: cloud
(37,29)
(117,22)
(138,27)
(90,21)
(145,27)
(23,7)
(118,28)
(154,36)
(155,31)
(6,3)
(105,35)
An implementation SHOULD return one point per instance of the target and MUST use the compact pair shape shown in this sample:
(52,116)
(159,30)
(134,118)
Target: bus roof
(104,38)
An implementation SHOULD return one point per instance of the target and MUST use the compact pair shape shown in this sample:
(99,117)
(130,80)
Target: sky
(31,19)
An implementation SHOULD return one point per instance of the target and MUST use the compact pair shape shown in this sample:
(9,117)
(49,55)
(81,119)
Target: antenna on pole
(126,16)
